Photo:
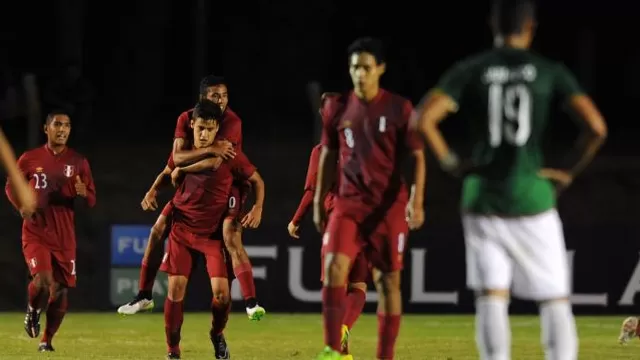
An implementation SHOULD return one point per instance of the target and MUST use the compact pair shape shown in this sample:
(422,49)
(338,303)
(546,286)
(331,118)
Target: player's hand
(176,176)
(253,218)
(415,216)
(319,217)
(293,230)
(223,149)
(81,188)
(149,202)
(561,178)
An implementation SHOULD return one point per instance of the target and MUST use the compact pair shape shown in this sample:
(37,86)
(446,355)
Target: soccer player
(24,195)
(360,270)
(513,233)
(199,205)
(213,88)
(368,128)
(59,176)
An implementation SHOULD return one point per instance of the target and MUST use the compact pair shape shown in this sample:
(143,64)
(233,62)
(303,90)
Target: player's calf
(38,290)
(151,262)
(220,308)
(174,314)
(389,311)
(493,332)
(356,297)
(57,309)
(558,327)
(242,269)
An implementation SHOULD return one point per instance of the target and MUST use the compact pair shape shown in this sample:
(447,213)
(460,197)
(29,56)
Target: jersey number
(348,137)
(509,114)
(73,267)
(41,181)
(232,202)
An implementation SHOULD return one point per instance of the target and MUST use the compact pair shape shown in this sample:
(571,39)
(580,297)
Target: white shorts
(525,254)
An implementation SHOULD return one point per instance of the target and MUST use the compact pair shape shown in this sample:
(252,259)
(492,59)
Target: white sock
(558,331)
(493,333)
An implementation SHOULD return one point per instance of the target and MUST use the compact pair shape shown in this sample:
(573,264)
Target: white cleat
(136,306)
(628,330)
(256,313)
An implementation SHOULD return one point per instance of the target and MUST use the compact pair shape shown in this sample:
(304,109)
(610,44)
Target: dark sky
(140,62)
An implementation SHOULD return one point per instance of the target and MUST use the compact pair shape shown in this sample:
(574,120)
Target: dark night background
(127,69)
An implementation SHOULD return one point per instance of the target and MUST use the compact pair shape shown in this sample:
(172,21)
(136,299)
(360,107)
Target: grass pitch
(290,336)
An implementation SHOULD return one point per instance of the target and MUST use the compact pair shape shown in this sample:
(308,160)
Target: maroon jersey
(53,176)
(310,187)
(372,140)
(230,128)
(202,198)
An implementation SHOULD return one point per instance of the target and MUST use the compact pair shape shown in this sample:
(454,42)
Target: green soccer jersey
(506,94)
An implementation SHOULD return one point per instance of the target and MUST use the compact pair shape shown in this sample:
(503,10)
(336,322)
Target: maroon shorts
(183,249)
(237,200)
(167,210)
(61,263)
(383,244)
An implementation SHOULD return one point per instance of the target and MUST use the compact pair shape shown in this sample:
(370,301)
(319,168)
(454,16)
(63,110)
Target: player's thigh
(178,258)
(489,266)
(64,267)
(37,256)
(342,236)
(541,267)
(388,242)
(215,258)
(360,270)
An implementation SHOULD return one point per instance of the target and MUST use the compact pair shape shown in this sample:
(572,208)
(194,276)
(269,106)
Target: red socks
(333,313)
(220,315)
(55,313)
(173,317)
(244,274)
(388,328)
(354,305)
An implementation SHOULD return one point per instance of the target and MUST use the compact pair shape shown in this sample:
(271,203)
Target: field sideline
(290,336)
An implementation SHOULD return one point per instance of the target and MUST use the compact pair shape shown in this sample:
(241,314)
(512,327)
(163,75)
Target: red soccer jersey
(372,139)
(310,187)
(202,198)
(230,128)
(53,177)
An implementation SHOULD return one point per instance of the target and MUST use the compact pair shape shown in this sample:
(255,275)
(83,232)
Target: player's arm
(414,144)
(17,188)
(85,187)
(438,104)
(309,187)
(183,157)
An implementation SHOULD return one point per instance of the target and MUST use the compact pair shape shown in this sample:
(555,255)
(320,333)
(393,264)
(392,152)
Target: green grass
(109,336)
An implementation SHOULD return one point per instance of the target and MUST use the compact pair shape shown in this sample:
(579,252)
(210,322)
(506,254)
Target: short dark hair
(209,81)
(508,16)
(52,114)
(207,110)
(369,45)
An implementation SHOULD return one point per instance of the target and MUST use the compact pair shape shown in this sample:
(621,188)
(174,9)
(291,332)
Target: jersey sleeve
(413,141)
(241,167)
(566,84)
(454,81)
(182,126)
(312,169)
(87,178)
(329,131)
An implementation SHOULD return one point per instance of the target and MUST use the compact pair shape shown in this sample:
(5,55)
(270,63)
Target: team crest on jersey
(69,170)
(39,169)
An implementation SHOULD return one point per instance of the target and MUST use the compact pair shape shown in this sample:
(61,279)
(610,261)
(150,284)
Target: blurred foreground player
(360,269)
(513,233)
(368,128)
(629,330)
(24,195)
(199,206)
(229,140)
(59,175)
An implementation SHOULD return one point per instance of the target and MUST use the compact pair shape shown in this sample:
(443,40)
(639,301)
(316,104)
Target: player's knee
(362,286)
(57,291)
(336,267)
(177,288)
(43,280)
(388,283)
(554,300)
(220,290)
(501,293)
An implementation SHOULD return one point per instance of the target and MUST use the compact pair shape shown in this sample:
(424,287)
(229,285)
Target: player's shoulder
(332,103)
(232,116)
(185,115)
(74,154)
(395,98)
